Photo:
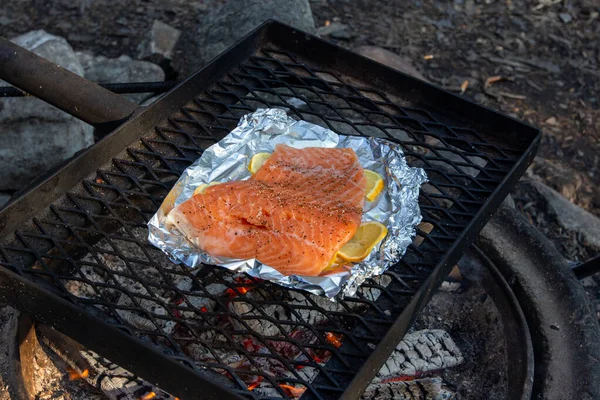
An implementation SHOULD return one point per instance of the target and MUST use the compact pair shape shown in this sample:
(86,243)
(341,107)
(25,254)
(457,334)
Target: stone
(225,25)
(161,41)
(4,198)
(336,30)
(559,176)
(35,135)
(566,18)
(119,70)
(390,59)
(569,216)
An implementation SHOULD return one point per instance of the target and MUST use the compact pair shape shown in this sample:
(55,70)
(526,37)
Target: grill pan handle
(62,88)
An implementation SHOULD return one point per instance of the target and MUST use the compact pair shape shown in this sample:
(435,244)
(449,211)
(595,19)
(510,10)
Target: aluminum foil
(396,207)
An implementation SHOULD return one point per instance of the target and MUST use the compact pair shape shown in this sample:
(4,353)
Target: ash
(470,317)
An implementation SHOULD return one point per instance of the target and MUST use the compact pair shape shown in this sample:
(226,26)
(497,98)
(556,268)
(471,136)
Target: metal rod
(120,88)
(587,268)
(62,88)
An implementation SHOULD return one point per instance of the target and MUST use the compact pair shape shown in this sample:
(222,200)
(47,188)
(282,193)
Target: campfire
(418,365)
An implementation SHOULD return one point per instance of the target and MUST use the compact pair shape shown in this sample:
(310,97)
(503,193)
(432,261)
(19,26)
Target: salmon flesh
(293,215)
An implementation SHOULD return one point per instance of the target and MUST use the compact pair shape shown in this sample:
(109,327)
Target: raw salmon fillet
(293,215)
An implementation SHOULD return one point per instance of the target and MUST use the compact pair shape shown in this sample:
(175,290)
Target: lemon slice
(366,237)
(374,184)
(257,161)
(169,201)
(202,188)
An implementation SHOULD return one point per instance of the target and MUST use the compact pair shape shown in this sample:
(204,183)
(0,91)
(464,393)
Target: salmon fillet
(293,215)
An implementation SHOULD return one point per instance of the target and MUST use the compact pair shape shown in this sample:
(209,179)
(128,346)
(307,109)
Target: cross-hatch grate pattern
(269,342)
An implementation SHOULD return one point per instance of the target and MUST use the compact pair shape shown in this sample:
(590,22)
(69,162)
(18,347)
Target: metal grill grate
(90,246)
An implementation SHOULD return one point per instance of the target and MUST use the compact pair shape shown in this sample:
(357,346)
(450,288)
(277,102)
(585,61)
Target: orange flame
(318,359)
(292,391)
(240,290)
(148,396)
(254,384)
(334,339)
(73,375)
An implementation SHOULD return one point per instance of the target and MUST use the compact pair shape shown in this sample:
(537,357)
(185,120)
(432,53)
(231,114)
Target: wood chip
(464,86)
(455,274)
(512,95)
(492,79)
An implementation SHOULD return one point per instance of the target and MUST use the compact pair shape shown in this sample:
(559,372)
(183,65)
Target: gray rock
(390,59)
(54,48)
(118,70)
(221,28)
(569,216)
(336,30)
(4,197)
(161,40)
(559,176)
(35,135)
(566,18)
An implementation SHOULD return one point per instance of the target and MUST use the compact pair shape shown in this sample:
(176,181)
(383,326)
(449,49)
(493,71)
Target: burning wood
(418,352)
(429,388)
(334,339)
(256,382)
(148,396)
(292,391)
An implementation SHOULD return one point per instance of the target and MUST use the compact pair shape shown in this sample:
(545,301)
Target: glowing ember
(335,339)
(203,309)
(254,384)
(248,345)
(148,396)
(240,290)
(292,391)
(73,375)
(400,378)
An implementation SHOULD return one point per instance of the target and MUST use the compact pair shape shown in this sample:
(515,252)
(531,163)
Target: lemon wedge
(202,188)
(257,161)
(169,201)
(366,237)
(374,184)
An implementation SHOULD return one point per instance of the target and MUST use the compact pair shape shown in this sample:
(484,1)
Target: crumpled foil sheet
(396,207)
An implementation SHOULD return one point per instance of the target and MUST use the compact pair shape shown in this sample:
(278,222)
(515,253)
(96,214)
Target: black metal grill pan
(73,250)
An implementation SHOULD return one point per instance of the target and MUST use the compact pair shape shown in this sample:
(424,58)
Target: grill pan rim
(131,131)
